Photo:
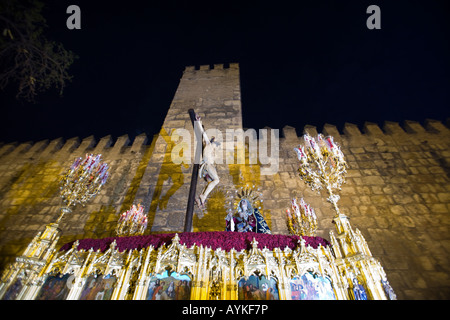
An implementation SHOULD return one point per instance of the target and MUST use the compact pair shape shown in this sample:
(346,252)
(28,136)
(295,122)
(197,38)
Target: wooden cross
(194,178)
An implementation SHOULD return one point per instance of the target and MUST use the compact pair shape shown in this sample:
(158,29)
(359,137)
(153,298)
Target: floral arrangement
(214,240)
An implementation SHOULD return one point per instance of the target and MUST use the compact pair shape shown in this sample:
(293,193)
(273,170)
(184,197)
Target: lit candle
(295,206)
(288,212)
(300,153)
(331,145)
(313,214)
(320,141)
(307,139)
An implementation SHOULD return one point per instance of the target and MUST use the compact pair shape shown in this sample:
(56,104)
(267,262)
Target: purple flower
(217,239)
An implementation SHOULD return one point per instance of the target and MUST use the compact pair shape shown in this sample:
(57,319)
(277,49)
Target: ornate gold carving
(215,273)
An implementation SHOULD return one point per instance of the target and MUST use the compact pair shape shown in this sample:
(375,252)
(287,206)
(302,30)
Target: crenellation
(45,148)
(311,130)
(104,143)
(119,145)
(290,134)
(52,147)
(351,130)
(138,142)
(221,67)
(87,145)
(393,128)
(7,148)
(436,126)
(372,129)
(69,146)
(331,130)
(19,150)
(36,148)
(413,127)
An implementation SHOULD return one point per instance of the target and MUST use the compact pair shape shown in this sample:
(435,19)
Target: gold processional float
(234,265)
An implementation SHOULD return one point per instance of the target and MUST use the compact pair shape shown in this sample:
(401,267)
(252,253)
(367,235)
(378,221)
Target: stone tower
(214,94)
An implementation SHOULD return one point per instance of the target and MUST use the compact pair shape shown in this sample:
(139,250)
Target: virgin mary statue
(246,219)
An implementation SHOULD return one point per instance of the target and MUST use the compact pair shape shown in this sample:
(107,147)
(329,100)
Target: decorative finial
(254,243)
(176,239)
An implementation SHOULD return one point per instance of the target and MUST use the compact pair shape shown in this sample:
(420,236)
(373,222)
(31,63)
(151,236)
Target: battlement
(59,147)
(390,130)
(106,145)
(208,67)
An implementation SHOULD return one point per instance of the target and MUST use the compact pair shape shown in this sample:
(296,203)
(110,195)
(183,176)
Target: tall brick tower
(214,93)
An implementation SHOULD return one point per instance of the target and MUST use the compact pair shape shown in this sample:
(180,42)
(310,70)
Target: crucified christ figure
(207,169)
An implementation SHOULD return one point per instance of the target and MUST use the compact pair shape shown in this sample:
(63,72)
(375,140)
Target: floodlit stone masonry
(397,191)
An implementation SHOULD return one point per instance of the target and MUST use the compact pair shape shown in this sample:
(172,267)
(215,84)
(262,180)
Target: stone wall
(397,191)
(29,188)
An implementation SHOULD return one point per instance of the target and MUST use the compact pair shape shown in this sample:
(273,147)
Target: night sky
(314,62)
